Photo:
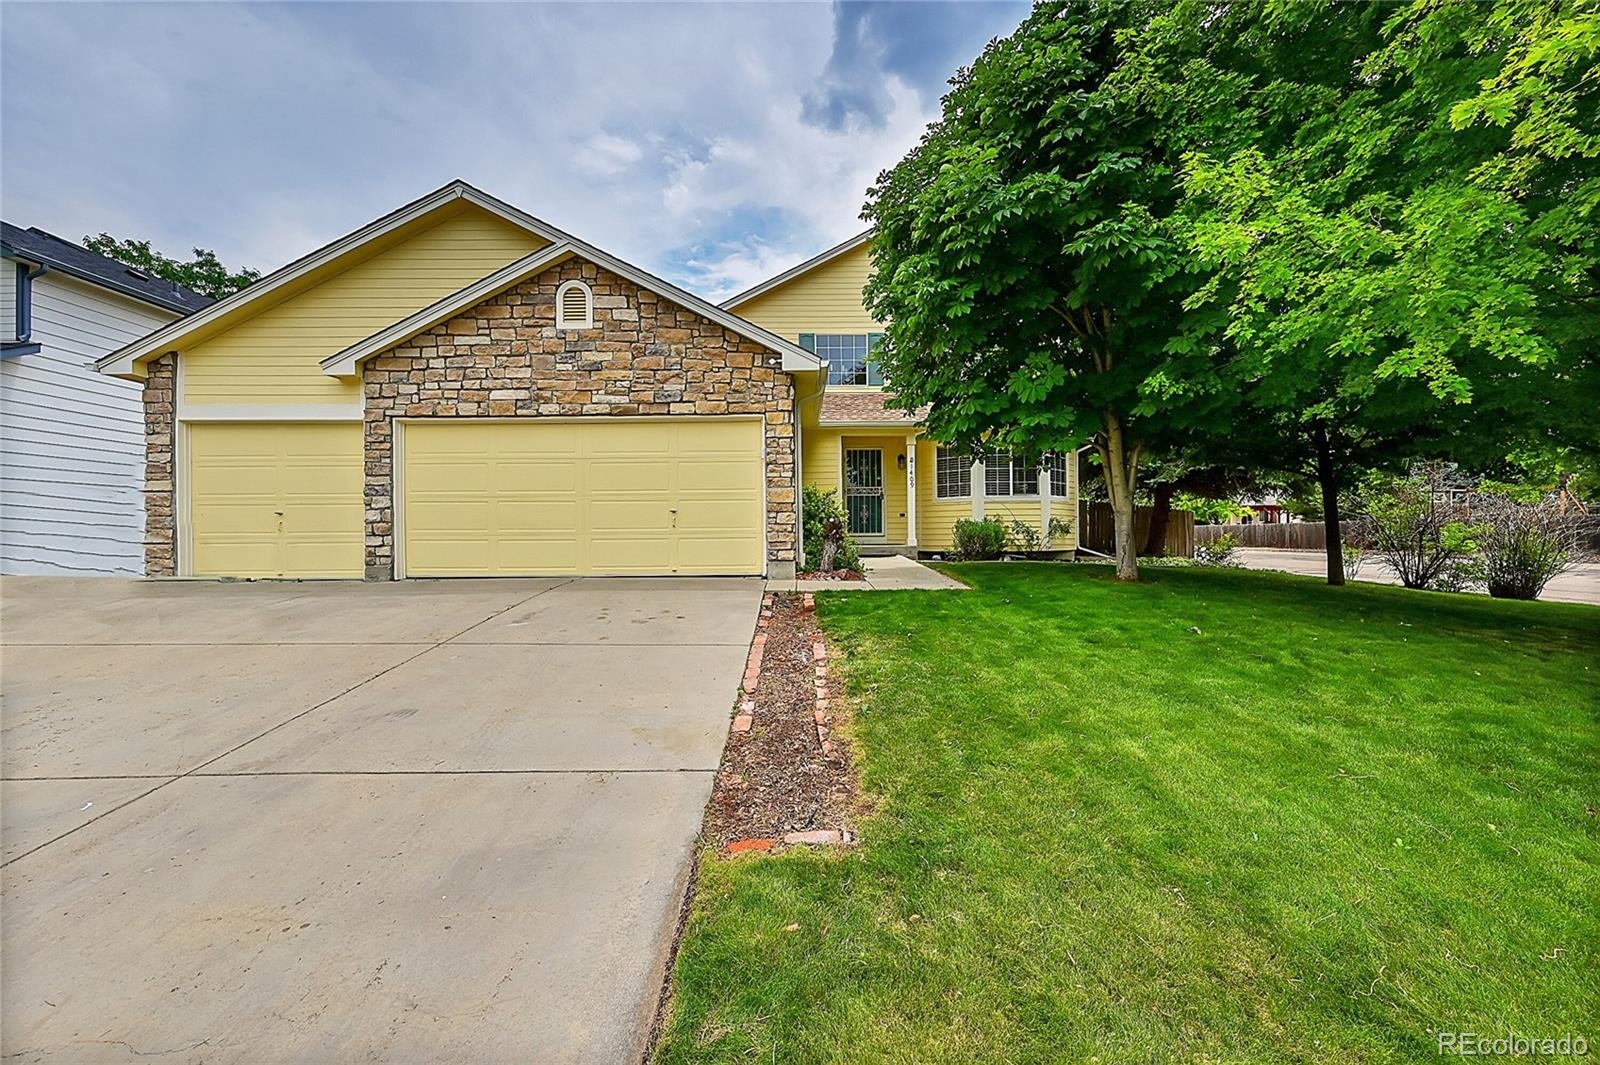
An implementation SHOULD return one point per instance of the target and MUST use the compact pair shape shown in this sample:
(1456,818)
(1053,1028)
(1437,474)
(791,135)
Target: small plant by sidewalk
(829,547)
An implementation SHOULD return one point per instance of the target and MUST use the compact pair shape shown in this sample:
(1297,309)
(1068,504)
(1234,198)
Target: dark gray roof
(36,246)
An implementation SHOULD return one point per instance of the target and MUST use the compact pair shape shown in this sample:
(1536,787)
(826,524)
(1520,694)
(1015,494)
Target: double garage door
(480,499)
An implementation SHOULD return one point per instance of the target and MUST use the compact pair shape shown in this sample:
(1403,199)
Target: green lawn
(1216,816)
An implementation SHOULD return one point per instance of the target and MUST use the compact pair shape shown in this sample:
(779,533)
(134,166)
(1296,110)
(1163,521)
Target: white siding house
(72,439)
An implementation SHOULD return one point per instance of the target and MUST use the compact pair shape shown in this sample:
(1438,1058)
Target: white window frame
(562,321)
(1001,474)
(1060,483)
(948,464)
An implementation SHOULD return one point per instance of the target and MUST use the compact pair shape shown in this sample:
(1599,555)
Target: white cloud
(673,135)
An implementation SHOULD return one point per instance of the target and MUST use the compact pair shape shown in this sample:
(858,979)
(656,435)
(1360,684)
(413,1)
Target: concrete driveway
(424,821)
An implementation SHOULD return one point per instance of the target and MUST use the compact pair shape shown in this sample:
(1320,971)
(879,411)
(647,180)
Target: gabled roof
(344,363)
(34,245)
(162,340)
(794,272)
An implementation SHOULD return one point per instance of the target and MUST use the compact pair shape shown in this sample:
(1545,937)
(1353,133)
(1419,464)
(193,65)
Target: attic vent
(574,306)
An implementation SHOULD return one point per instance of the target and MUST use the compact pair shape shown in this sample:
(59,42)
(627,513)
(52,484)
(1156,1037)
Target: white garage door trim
(397,465)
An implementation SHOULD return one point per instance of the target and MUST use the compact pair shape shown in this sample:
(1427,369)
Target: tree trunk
(1119,465)
(1328,480)
(1155,541)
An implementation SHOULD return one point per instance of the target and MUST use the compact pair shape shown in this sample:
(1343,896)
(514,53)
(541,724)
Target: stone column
(160,466)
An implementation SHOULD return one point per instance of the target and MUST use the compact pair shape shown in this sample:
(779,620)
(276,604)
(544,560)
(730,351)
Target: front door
(863,490)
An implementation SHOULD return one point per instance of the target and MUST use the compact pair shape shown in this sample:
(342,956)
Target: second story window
(848,355)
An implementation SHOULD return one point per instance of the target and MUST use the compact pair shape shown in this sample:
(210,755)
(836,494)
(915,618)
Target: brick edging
(744,721)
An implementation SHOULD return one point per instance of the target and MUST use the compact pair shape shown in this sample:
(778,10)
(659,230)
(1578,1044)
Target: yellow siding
(272,357)
(275,499)
(825,299)
(935,517)
(820,463)
(607,496)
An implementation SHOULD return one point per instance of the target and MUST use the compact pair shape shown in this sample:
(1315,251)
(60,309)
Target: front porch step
(884,550)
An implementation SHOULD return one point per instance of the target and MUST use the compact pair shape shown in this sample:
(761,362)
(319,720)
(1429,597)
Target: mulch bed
(831,575)
(790,772)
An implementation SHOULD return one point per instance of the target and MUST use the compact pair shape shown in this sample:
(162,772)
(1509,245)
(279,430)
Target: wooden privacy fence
(1297,535)
(1097,529)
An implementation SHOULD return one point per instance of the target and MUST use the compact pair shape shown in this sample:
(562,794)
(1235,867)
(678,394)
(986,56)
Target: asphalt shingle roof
(36,246)
(865,407)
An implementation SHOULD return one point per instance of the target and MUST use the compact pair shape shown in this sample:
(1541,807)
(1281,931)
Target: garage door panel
(440,475)
(716,475)
(538,518)
(454,516)
(606,507)
(275,499)
(533,475)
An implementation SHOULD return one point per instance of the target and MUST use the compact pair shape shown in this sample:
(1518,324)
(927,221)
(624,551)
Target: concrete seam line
(218,774)
(288,721)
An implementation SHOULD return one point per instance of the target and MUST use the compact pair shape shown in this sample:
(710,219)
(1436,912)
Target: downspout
(24,303)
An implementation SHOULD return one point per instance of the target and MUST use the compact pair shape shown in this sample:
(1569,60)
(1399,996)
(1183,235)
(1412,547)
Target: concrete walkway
(427,821)
(1581,584)
(889,573)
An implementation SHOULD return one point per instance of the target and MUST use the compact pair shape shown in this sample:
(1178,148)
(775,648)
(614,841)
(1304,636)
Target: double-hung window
(1058,475)
(1006,474)
(848,355)
(952,475)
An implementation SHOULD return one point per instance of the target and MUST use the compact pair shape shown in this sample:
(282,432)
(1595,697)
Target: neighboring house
(459,389)
(900,490)
(1267,510)
(72,443)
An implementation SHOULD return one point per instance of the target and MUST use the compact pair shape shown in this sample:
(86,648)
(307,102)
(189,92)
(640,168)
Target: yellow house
(460,389)
(902,492)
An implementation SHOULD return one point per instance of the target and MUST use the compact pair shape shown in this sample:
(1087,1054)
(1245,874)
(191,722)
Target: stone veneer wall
(646,355)
(160,426)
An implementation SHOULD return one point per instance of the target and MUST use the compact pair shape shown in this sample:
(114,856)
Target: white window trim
(972,471)
(563,322)
(1011,471)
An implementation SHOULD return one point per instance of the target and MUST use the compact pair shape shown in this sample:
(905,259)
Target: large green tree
(1026,263)
(204,273)
(1408,247)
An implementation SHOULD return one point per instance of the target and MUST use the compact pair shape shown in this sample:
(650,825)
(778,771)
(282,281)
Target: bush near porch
(1214,815)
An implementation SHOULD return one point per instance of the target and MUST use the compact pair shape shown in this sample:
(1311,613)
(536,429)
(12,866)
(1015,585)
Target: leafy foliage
(979,540)
(204,273)
(828,543)
(1424,545)
(1223,551)
(1025,263)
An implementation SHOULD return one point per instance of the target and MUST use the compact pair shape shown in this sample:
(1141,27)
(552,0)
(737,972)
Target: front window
(848,355)
(1005,474)
(1058,475)
(952,475)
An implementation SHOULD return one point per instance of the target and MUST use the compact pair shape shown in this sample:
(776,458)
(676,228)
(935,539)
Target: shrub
(828,543)
(1022,537)
(979,541)
(1223,551)
(1353,556)
(1524,545)
(1059,527)
(1423,546)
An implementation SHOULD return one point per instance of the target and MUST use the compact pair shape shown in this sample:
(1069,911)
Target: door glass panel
(863,491)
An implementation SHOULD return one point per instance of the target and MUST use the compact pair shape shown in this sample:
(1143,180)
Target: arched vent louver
(574,306)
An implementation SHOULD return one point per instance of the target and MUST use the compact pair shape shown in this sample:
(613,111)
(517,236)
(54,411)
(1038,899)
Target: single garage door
(275,499)
(598,496)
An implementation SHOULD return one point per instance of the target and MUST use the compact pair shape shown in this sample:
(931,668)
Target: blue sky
(715,144)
